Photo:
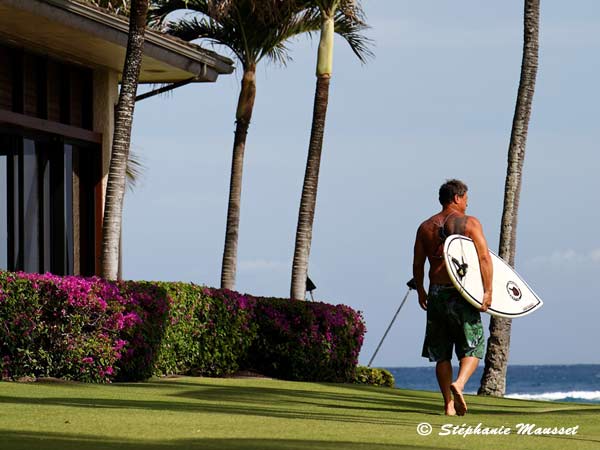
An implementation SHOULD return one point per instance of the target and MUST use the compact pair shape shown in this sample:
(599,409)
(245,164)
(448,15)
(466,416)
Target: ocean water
(565,383)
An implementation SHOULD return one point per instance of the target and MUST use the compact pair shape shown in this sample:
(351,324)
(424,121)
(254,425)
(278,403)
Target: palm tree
(252,30)
(493,381)
(334,14)
(115,189)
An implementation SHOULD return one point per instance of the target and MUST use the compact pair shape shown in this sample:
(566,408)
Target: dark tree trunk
(308,201)
(115,189)
(493,381)
(243,117)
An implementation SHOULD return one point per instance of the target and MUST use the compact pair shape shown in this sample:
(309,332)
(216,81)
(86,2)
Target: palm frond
(351,8)
(274,45)
(264,12)
(117,6)
(257,29)
(192,28)
(306,21)
(134,170)
(160,9)
(351,29)
(278,54)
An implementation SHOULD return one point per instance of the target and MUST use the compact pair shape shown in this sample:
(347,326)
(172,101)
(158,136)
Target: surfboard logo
(513,291)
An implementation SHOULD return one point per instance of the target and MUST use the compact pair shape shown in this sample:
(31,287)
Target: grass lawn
(233,414)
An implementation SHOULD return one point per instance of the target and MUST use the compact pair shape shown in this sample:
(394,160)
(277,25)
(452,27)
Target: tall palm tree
(334,14)
(252,30)
(115,189)
(493,381)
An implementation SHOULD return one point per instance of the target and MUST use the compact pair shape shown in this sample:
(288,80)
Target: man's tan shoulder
(427,223)
(472,225)
(472,220)
(433,220)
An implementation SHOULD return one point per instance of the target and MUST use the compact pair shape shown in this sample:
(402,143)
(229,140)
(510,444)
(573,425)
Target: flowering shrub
(310,341)
(143,323)
(93,330)
(58,327)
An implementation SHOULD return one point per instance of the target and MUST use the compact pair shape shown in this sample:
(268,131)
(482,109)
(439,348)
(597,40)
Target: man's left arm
(474,230)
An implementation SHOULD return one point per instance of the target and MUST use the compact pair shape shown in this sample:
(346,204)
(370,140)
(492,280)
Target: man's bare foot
(449,409)
(459,401)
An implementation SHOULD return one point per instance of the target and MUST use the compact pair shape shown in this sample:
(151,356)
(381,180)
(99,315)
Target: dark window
(29,248)
(87,175)
(53,91)
(30,86)
(3,212)
(17,64)
(48,183)
(47,203)
(39,86)
(5,78)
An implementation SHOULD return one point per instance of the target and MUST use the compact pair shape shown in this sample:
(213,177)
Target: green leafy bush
(209,331)
(373,377)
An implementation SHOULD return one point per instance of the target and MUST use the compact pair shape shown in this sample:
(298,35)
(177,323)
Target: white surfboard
(511,296)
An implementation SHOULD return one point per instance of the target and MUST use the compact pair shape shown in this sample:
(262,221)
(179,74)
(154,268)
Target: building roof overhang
(93,37)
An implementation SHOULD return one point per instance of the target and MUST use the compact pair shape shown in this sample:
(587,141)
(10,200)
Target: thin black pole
(411,286)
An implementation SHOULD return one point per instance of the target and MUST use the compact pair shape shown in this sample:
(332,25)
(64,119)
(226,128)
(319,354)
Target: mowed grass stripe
(266,414)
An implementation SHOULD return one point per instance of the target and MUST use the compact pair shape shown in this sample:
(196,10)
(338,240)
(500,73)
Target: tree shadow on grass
(338,400)
(392,400)
(369,398)
(23,440)
(260,410)
(351,404)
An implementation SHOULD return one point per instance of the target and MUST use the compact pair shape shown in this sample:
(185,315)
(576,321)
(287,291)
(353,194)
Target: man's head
(453,191)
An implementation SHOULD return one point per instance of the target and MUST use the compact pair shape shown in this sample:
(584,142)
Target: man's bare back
(433,232)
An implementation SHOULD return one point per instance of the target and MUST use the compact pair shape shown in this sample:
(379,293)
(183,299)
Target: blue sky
(436,102)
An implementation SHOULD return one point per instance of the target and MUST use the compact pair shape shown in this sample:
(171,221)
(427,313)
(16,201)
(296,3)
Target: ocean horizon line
(509,365)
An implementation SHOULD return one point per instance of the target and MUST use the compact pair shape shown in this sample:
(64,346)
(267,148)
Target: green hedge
(209,331)
(374,377)
(89,329)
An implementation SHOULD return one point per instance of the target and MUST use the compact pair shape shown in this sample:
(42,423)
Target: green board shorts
(451,321)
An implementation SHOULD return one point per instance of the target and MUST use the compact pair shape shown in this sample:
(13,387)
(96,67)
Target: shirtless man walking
(451,320)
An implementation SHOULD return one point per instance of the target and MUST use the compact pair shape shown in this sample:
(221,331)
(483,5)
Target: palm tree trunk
(243,117)
(308,201)
(115,189)
(493,381)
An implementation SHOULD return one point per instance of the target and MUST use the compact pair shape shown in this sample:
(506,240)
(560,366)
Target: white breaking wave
(593,396)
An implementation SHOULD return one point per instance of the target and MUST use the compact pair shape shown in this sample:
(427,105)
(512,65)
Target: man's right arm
(419,268)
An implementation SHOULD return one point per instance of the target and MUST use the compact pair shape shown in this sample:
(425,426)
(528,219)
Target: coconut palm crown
(252,30)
